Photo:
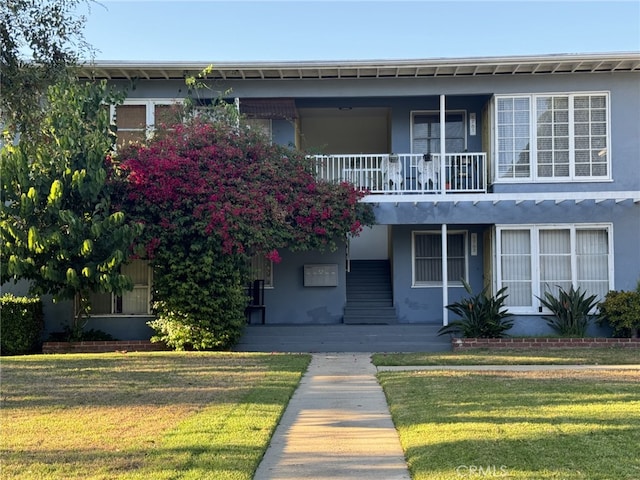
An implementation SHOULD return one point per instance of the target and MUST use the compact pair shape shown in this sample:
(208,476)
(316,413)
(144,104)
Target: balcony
(406,173)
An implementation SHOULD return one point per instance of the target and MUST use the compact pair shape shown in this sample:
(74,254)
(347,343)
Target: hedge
(21,324)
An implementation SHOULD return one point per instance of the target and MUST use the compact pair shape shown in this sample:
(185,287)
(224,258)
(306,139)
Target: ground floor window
(134,302)
(261,268)
(533,259)
(427,258)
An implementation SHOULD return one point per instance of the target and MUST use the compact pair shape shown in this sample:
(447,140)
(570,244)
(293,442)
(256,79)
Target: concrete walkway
(337,426)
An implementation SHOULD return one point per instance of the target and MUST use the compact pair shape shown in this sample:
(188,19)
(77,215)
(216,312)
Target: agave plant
(570,311)
(481,315)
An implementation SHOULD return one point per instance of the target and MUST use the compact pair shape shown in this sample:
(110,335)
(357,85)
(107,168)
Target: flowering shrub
(210,194)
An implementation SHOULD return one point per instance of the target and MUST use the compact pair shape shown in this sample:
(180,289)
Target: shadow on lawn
(134,380)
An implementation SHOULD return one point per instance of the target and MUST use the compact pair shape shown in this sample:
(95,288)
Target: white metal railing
(406,172)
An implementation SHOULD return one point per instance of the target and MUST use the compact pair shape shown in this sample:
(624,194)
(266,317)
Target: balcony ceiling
(443,67)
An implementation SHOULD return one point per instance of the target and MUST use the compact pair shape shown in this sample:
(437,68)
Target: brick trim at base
(496,343)
(102,346)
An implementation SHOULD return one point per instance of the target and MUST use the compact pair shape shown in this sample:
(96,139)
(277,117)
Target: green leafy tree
(211,194)
(58,225)
(40,42)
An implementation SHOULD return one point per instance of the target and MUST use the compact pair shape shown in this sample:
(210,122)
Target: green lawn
(557,356)
(536,426)
(142,416)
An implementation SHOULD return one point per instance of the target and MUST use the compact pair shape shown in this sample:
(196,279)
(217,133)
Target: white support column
(443,179)
(443,152)
(445,277)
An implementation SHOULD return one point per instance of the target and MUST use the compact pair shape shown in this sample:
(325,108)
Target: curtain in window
(101,303)
(261,268)
(555,260)
(515,246)
(538,260)
(592,258)
(137,300)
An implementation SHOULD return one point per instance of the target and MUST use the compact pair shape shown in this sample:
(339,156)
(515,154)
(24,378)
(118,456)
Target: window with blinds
(131,121)
(134,302)
(135,120)
(544,137)
(538,259)
(427,258)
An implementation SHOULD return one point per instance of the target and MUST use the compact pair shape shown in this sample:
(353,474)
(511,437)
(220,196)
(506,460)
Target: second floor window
(426,132)
(553,137)
(136,118)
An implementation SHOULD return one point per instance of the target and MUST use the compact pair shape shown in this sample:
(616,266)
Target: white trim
(148,103)
(495,198)
(533,139)
(534,236)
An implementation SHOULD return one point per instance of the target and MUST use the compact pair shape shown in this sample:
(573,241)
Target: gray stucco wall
(293,303)
(424,304)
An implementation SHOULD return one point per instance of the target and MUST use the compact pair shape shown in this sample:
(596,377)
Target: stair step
(343,338)
(369,294)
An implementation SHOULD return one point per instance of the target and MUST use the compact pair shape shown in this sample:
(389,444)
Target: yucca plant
(481,315)
(570,311)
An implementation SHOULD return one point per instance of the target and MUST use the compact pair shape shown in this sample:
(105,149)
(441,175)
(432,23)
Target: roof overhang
(429,68)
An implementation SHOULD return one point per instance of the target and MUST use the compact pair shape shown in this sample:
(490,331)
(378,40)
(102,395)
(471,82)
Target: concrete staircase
(343,338)
(369,294)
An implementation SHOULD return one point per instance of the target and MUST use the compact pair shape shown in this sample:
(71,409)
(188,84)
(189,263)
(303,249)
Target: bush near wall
(21,324)
(621,310)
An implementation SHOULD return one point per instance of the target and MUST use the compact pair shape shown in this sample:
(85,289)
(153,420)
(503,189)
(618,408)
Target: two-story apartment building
(518,172)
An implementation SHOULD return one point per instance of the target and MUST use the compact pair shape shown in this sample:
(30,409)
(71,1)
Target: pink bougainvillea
(213,179)
(210,195)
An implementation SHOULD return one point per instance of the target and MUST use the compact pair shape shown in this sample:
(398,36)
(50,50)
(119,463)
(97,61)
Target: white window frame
(114,298)
(534,229)
(150,112)
(533,137)
(415,113)
(438,234)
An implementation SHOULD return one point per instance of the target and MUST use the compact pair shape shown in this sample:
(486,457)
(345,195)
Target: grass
(139,416)
(555,356)
(542,425)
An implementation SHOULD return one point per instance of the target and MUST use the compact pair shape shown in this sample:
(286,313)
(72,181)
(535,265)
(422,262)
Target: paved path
(337,427)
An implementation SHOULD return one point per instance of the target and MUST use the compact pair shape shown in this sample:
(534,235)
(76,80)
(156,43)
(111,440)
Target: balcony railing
(406,173)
